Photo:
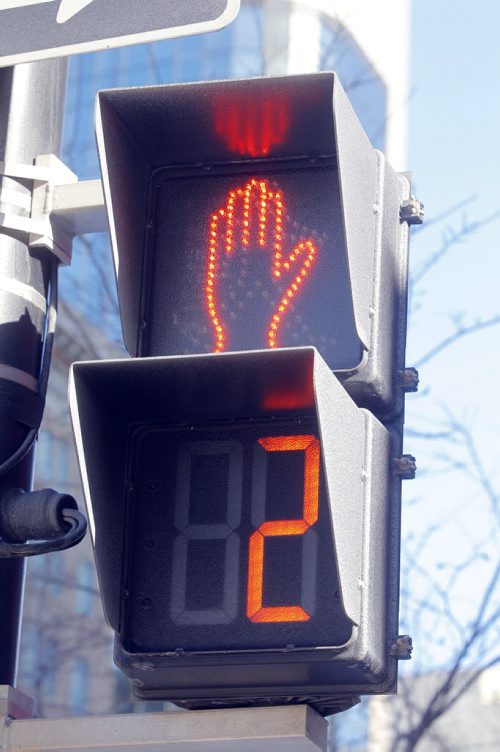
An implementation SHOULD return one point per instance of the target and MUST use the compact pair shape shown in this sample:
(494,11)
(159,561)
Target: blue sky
(453,141)
(454,153)
(454,149)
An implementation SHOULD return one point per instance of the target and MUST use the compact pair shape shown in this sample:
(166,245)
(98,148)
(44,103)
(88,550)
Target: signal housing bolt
(412,211)
(405,466)
(402,648)
(408,380)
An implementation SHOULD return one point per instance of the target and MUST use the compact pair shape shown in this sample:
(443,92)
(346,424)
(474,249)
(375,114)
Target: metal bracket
(60,206)
(295,728)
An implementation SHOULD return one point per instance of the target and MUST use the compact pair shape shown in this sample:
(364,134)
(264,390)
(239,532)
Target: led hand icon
(249,230)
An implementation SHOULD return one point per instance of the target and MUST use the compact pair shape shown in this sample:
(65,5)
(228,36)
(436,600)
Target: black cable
(77,530)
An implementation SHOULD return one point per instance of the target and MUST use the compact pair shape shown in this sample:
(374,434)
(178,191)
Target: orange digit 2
(256,612)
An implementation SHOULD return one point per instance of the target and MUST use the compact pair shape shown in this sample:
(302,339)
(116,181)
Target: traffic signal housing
(244,527)
(239,470)
(256,214)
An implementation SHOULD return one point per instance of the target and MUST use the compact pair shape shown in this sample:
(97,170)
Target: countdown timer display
(249,261)
(230,542)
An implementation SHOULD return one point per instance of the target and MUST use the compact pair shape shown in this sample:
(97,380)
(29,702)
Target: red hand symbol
(245,219)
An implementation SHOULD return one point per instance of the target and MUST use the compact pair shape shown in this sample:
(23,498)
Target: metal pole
(31,112)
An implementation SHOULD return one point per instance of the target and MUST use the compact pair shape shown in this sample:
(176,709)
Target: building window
(52,459)
(78,686)
(54,576)
(340,52)
(49,666)
(84,588)
(247,43)
(38,661)
(349,731)
(30,653)
(123,699)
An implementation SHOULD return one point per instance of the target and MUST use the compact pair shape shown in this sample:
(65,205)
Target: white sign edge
(142,37)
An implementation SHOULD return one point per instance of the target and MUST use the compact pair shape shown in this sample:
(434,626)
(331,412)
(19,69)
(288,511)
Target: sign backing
(37,29)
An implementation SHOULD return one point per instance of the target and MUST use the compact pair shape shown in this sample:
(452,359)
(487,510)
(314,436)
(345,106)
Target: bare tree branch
(450,238)
(461,332)
(437,218)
